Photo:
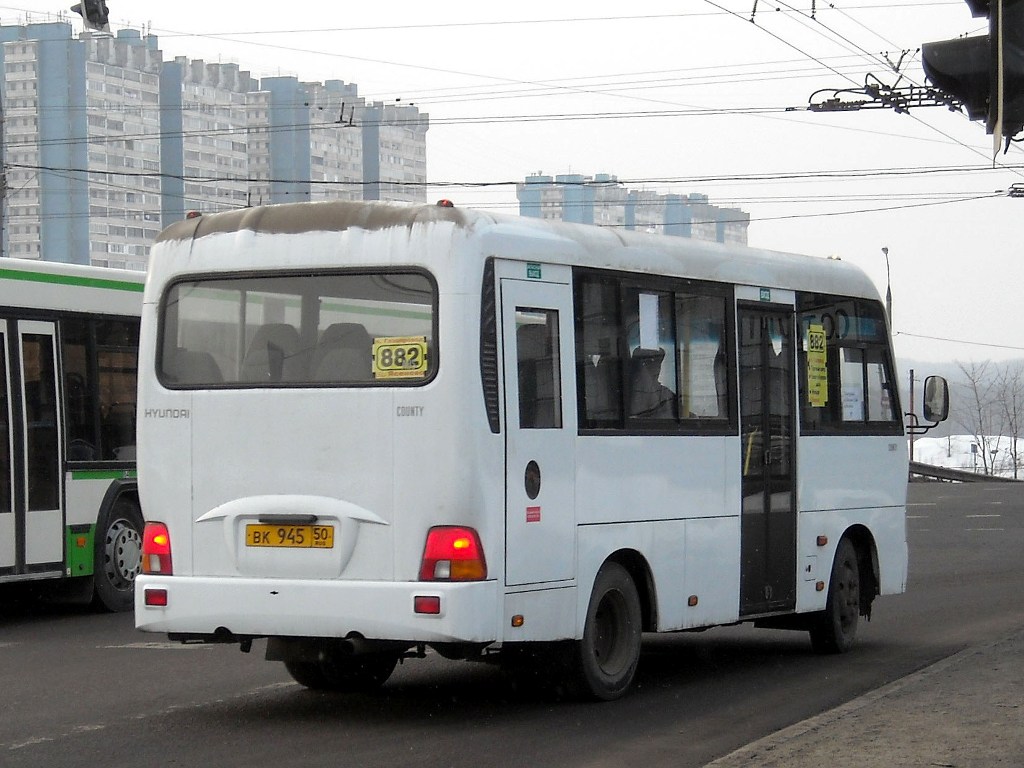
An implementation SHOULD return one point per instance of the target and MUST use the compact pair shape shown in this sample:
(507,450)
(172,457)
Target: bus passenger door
(8,521)
(767,417)
(540,418)
(41,431)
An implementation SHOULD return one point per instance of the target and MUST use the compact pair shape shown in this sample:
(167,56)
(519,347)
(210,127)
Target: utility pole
(912,411)
(888,288)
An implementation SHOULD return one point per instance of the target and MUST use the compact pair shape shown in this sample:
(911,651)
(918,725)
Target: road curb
(758,751)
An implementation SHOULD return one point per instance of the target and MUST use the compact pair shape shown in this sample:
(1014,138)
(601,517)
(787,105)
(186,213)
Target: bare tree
(978,411)
(1011,400)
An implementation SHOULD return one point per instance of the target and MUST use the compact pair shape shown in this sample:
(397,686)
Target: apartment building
(394,152)
(204,131)
(305,143)
(105,143)
(81,140)
(601,199)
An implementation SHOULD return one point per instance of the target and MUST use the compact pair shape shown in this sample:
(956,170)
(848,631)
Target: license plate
(298,536)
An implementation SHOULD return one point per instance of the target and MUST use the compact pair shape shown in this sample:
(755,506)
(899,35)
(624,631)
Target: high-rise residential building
(336,169)
(81,133)
(601,199)
(204,123)
(394,152)
(104,143)
(567,197)
(304,141)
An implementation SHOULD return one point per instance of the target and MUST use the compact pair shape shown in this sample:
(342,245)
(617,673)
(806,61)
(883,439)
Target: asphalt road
(85,689)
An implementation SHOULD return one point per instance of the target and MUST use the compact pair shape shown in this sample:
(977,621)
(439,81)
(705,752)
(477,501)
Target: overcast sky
(677,96)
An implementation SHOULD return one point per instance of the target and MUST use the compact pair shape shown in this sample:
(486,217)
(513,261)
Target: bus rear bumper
(194,606)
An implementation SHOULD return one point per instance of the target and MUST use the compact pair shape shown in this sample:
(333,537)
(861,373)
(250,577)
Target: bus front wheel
(835,628)
(118,556)
(606,657)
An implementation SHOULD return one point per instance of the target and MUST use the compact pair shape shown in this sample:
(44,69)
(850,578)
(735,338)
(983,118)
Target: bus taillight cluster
(453,553)
(156,550)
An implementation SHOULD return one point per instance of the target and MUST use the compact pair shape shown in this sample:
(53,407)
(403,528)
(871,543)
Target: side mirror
(936,399)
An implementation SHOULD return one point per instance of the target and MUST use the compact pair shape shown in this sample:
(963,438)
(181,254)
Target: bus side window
(881,403)
(652,377)
(5,434)
(41,414)
(80,422)
(855,390)
(603,388)
(853,398)
(116,360)
(651,356)
(649,398)
(540,396)
(704,390)
(599,358)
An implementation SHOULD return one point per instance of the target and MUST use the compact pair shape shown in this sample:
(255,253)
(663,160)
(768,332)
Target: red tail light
(156,550)
(453,553)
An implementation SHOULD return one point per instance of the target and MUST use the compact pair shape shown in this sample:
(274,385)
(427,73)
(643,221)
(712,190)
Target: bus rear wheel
(118,556)
(835,628)
(344,673)
(606,657)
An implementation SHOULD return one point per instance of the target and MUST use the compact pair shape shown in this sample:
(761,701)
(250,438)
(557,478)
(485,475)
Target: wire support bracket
(879,96)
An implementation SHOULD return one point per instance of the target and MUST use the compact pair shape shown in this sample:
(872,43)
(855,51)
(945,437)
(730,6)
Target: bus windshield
(312,329)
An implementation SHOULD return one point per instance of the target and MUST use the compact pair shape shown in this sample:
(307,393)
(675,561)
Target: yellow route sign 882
(400,357)
(817,367)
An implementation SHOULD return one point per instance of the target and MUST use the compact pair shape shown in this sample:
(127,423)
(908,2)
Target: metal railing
(922,471)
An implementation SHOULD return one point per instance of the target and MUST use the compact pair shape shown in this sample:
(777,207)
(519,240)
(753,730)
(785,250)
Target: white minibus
(369,429)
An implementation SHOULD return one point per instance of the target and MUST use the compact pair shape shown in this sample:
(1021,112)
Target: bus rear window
(310,329)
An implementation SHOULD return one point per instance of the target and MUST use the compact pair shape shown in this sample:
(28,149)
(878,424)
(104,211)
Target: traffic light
(986,74)
(1010,33)
(93,13)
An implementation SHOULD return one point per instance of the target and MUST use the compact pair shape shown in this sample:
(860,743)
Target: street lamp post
(888,288)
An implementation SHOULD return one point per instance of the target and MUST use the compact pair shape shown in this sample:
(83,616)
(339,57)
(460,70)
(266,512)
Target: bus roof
(527,238)
(72,287)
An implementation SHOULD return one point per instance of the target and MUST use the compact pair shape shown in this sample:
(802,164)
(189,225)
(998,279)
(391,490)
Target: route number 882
(400,357)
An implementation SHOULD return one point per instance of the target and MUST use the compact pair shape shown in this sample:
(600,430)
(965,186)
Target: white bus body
(68,498)
(623,431)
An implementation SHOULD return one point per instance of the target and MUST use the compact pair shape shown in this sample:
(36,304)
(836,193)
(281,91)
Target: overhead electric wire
(605,85)
(782,40)
(559,89)
(962,197)
(410,123)
(815,23)
(716,74)
(520,22)
(958,341)
(853,20)
(717,220)
(816,59)
(766,111)
(801,16)
(723,201)
(855,173)
(564,116)
(477,75)
(720,202)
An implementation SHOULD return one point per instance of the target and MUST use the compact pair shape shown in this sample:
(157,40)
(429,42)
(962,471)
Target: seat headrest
(345,335)
(649,355)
